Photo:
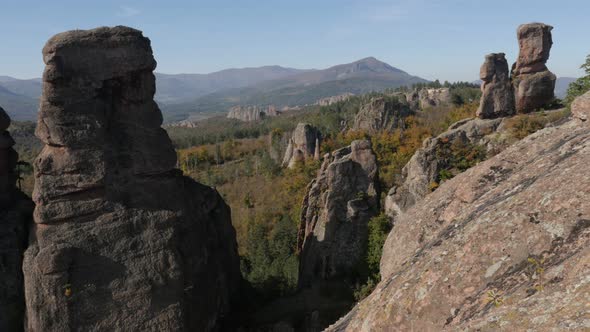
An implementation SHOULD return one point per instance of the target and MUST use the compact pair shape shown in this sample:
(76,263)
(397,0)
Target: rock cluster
(533,82)
(530,86)
(381,114)
(251,113)
(122,241)
(335,213)
(502,246)
(497,95)
(303,145)
(334,99)
(15,214)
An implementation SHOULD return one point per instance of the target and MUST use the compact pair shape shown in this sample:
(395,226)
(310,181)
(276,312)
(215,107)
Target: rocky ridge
(251,113)
(115,222)
(502,246)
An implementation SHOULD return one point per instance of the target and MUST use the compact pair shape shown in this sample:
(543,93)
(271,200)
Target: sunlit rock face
(533,83)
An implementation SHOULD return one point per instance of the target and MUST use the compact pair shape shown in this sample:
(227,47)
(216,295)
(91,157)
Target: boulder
(497,97)
(502,246)
(303,145)
(381,114)
(336,209)
(533,83)
(122,241)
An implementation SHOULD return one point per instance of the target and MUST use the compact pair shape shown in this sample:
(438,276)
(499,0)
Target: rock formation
(381,114)
(428,97)
(303,145)
(502,246)
(423,172)
(336,210)
(334,99)
(251,113)
(122,240)
(497,98)
(15,214)
(533,82)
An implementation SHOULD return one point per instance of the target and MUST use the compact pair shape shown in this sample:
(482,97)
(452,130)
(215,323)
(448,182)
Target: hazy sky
(445,39)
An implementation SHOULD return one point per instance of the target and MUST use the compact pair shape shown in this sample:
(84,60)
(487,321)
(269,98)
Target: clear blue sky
(445,39)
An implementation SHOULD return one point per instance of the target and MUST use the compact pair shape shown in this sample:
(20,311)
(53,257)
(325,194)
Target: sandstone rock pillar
(533,82)
(123,241)
(497,98)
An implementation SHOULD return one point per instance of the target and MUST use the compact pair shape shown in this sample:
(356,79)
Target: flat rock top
(118,35)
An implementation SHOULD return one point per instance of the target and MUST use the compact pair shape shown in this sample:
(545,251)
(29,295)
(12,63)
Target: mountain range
(194,96)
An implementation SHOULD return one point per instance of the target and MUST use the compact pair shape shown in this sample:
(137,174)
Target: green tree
(581,85)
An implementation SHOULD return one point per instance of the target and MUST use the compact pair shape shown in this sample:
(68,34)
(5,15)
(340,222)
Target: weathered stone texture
(336,210)
(122,240)
(497,97)
(514,230)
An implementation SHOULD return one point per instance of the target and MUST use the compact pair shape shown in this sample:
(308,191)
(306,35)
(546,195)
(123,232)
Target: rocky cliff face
(336,210)
(497,98)
(251,113)
(381,114)
(15,215)
(122,241)
(303,145)
(503,246)
(533,82)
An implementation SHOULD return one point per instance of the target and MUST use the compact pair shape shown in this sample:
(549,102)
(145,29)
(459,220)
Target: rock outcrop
(502,246)
(381,114)
(533,83)
(428,97)
(251,113)
(334,99)
(15,215)
(303,145)
(122,241)
(497,98)
(338,205)
(422,173)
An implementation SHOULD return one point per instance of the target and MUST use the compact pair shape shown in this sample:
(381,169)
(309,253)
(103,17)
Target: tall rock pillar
(123,241)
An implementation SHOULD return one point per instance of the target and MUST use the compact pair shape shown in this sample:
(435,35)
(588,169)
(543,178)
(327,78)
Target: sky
(433,39)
